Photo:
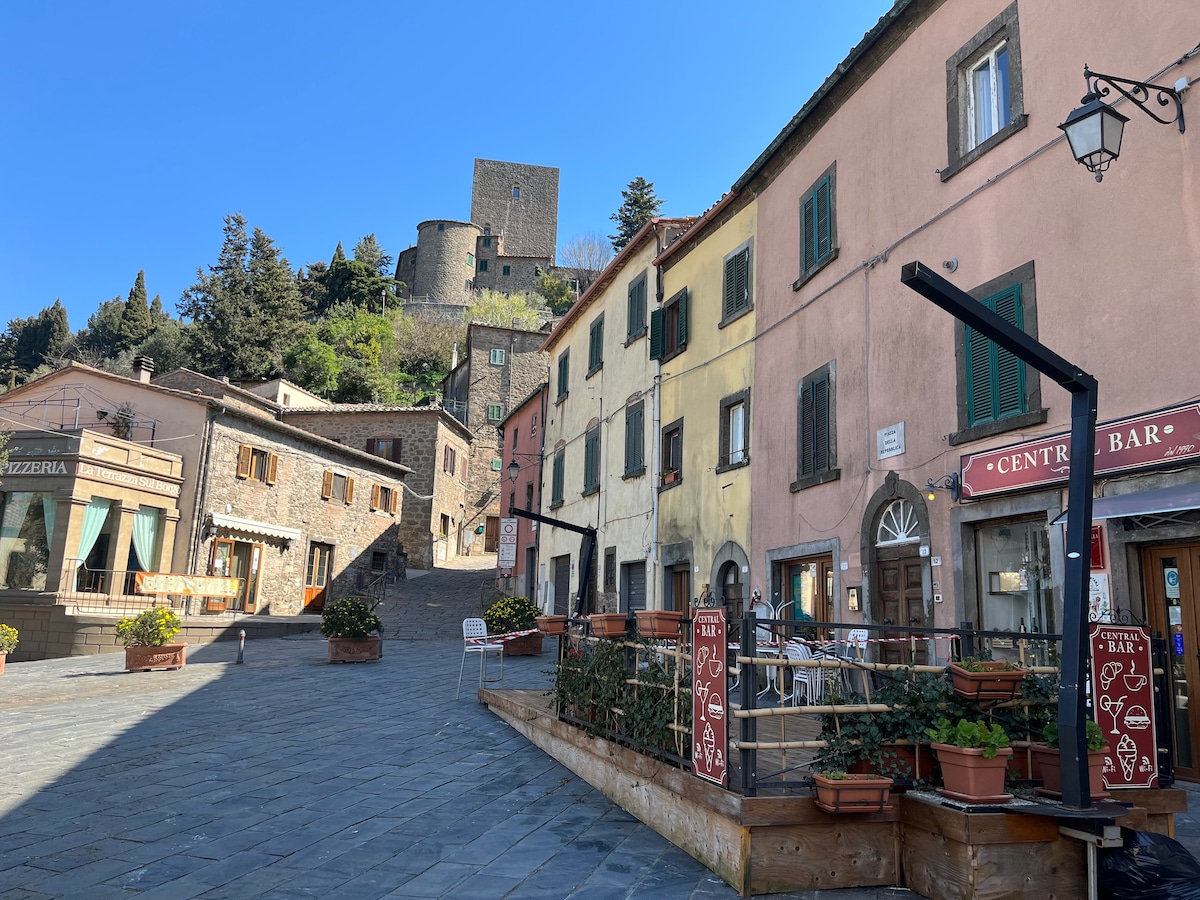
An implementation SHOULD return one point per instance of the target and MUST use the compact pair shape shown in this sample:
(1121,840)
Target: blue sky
(129,129)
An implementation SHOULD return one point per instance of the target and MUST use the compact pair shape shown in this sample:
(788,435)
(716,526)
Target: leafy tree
(505,310)
(352,282)
(424,348)
(558,293)
(639,205)
(314,364)
(368,251)
(313,287)
(40,339)
(245,311)
(103,332)
(586,256)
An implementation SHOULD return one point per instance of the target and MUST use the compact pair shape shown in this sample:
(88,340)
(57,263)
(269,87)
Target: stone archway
(730,559)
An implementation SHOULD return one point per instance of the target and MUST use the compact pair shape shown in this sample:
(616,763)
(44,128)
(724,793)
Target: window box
(851,793)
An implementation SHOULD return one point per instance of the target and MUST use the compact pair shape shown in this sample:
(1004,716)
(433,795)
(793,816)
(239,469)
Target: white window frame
(497,357)
(993,107)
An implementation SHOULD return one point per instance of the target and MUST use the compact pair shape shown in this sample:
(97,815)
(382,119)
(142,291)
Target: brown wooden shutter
(349,491)
(327,485)
(272,468)
(395,500)
(395,449)
(243,463)
(464,469)
(374,497)
(371,446)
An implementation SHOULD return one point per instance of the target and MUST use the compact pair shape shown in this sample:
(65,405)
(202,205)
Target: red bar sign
(1137,442)
(710,727)
(1123,692)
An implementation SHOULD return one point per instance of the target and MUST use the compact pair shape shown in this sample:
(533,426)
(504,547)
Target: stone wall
(523,271)
(294,501)
(445,270)
(424,434)
(528,222)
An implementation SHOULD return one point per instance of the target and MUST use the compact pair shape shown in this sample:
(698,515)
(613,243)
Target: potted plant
(8,643)
(349,623)
(986,679)
(147,636)
(658,623)
(973,757)
(509,615)
(1047,755)
(552,625)
(607,624)
(838,791)
(670,476)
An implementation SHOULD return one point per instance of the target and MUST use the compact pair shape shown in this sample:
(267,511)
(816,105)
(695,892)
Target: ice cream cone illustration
(710,744)
(1127,754)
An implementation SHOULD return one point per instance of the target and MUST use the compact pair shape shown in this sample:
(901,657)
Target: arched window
(898,525)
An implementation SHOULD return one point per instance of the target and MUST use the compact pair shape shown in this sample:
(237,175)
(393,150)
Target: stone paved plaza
(288,777)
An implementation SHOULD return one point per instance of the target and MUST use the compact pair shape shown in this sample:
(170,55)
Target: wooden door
(898,599)
(564,603)
(681,589)
(491,534)
(1172,583)
(316,579)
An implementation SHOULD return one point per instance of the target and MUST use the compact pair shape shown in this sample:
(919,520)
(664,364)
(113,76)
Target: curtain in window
(145,532)
(49,508)
(93,522)
(10,527)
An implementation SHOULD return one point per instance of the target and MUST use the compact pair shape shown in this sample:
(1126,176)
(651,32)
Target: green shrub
(351,618)
(1095,736)
(149,628)
(970,735)
(8,639)
(510,614)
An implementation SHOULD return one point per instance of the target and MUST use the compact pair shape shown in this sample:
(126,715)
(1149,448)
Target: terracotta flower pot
(968,776)
(143,659)
(1051,763)
(526,645)
(658,623)
(607,624)
(991,684)
(853,793)
(346,650)
(552,625)
(2,657)
(907,762)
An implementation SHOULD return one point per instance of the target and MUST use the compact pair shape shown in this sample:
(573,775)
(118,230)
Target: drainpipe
(652,601)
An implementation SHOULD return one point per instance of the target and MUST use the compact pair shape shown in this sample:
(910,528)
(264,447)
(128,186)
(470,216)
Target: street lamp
(1094,130)
(514,467)
(945,483)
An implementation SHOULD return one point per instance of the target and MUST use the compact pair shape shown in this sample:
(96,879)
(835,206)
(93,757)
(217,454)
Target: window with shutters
(506,270)
(388,448)
(996,391)
(636,321)
(635,439)
(257,465)
(596,346)
(448,460)
(335,486)
(564,375)
(985,103)
(610,568)
(816,439)
(735,289)
(735,422)
(672,455)
(557,472)
(495,412)
(384,499)
(669,328)
(591,461)
(818,226)
(496,357)
(483,263)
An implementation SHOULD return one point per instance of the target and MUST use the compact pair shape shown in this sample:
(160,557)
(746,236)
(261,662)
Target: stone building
(518,202)
(500,369)
(295,517)
(430,442)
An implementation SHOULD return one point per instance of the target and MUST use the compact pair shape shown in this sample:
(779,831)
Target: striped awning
(252,529)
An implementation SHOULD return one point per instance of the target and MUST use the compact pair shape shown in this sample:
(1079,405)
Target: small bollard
(241,645)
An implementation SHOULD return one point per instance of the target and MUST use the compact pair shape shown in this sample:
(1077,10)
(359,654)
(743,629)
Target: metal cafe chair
(475,641)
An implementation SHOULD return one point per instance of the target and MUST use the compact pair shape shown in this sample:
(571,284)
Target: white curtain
(93,522)
(10,527)
(145,531)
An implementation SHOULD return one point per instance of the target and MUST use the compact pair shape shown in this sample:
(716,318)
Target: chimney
(143,368)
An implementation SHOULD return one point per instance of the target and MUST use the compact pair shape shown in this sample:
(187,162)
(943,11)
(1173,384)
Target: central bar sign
(1123,691)
(710,727)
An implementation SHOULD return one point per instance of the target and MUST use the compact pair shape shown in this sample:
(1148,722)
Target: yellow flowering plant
(8,639)
(149,628)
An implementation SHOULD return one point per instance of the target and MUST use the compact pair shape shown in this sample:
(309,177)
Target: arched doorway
(897,526)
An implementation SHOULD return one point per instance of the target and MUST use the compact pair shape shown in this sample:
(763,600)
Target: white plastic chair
(811,679)
(858,640)
(473,630)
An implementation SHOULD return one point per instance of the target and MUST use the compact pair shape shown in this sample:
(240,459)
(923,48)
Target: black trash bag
(1149,867)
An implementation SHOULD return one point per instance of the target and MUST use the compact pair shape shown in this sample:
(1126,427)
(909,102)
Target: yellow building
(702,334)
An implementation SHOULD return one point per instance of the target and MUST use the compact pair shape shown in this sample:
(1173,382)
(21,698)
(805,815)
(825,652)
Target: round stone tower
(445,260)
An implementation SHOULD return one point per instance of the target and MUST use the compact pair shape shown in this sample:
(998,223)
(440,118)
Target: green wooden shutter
(729,302)
(1010,371)
(742,288)
(823,236)
(808,217)
(656,334)
(556,484)
(820,401)
(995,378)
(806,430)
(637,440)
(682,332)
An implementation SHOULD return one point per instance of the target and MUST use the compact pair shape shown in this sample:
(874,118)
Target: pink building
(937,140)
(521,443)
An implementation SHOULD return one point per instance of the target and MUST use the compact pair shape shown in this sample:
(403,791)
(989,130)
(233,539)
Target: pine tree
(136,322)
(640,205)
(368,251)
(339,253)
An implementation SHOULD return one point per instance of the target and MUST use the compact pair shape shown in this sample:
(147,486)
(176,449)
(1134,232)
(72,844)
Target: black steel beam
(1083,388)
(587,553)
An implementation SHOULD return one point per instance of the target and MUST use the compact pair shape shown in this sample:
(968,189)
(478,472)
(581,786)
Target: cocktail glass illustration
(1113,708)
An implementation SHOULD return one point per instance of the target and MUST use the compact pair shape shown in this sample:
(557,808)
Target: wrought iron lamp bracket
(1138,92)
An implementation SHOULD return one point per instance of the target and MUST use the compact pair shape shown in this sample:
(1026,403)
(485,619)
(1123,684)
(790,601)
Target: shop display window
(26,528)
(1014,580)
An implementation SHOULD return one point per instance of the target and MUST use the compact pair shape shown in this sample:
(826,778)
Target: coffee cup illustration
(1135,682)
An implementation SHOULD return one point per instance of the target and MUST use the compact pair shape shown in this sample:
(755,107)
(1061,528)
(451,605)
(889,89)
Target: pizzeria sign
(1144,441)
